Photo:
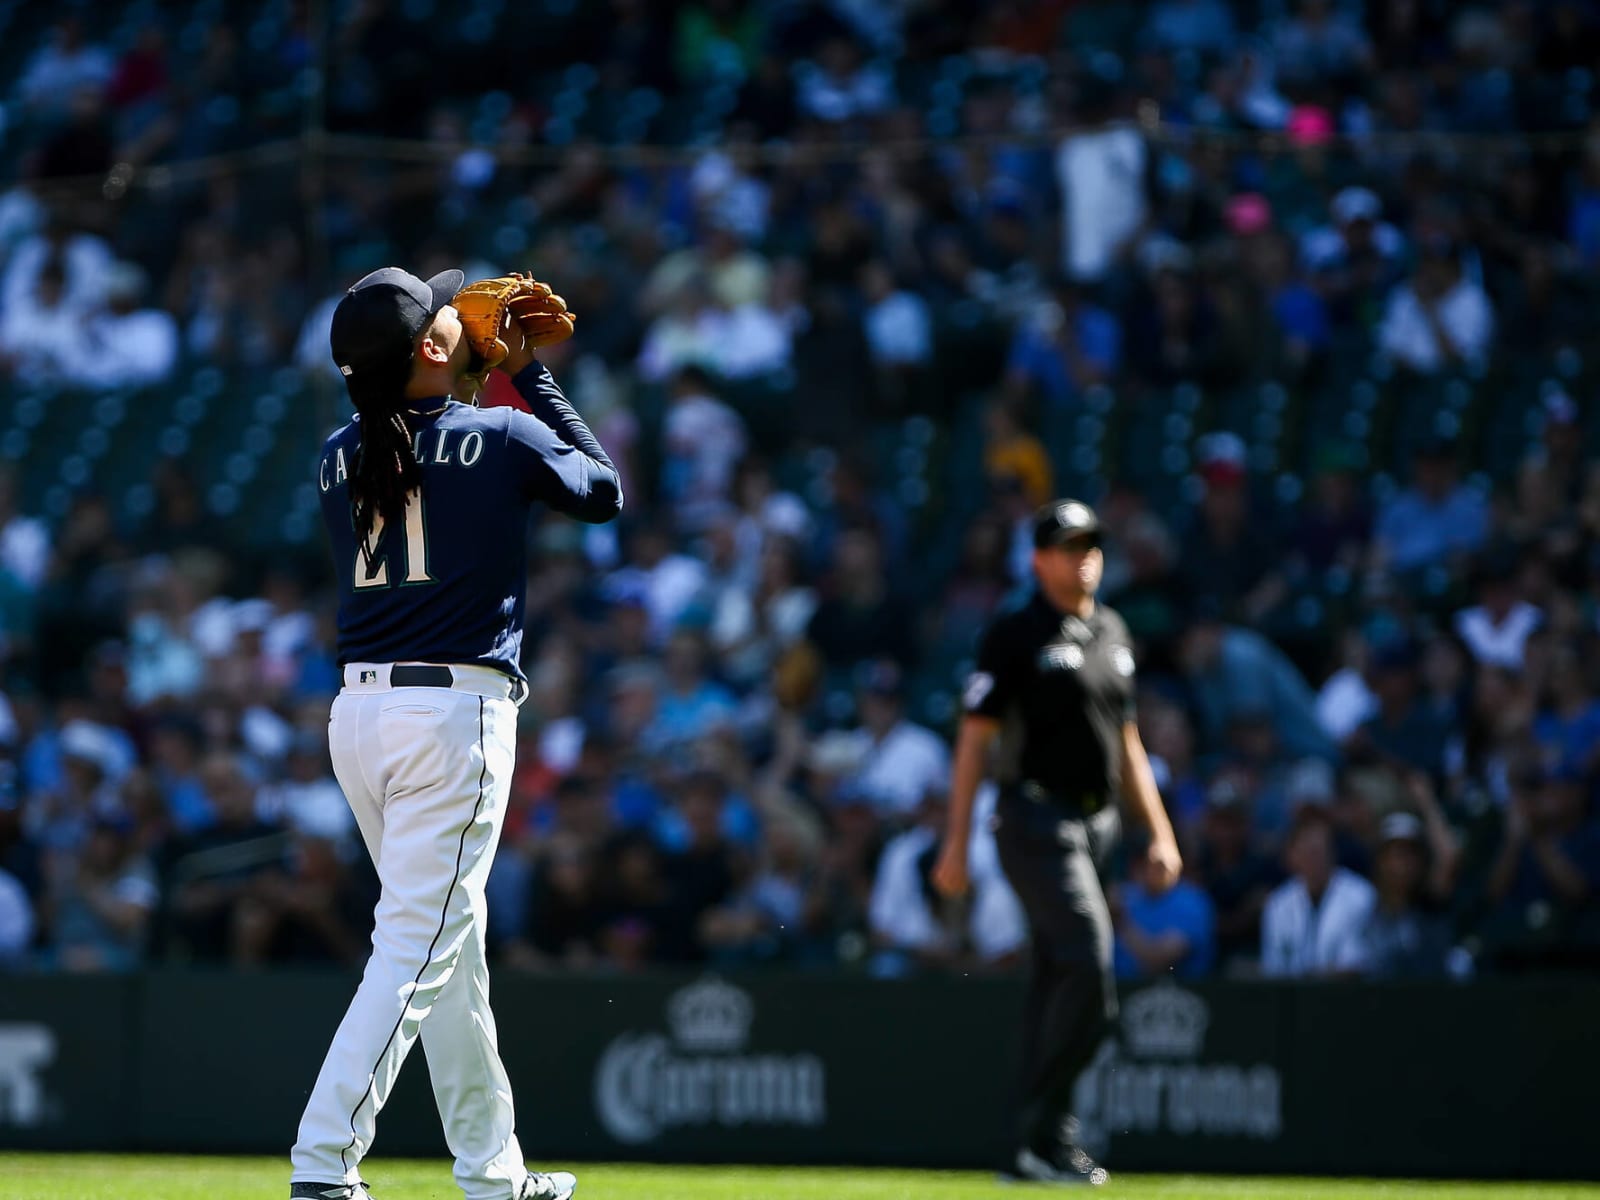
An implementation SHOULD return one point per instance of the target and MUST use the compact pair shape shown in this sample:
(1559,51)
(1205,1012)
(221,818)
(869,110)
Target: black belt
(421,676)
(440,676)
(1082,804)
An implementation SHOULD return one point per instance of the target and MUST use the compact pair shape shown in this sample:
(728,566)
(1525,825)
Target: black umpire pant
(1052,861)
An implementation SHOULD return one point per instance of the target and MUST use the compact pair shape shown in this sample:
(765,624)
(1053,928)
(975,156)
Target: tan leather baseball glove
(488,307)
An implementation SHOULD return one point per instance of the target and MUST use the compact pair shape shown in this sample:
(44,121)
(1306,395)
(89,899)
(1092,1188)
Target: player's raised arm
(564,464)
(505,320)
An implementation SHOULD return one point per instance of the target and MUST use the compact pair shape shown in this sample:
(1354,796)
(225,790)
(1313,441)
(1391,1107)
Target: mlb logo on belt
(369,677)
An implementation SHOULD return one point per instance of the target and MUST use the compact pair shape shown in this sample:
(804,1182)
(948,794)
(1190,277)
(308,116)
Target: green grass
(105,1177)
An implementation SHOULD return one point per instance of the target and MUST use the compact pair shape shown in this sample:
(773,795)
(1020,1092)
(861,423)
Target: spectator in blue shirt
(1404,730)
(1160,932)
(1299,313)
(1066,347)
(1231,554)
(1568,725)
(1548,866)
(1238,878)
(1204,26)
(1583,220)
(690,704)
(1234,672)
(1335,522)
(1436,518)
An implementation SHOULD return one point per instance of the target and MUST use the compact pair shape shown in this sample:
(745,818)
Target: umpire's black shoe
(329,1191)
(1068,1165)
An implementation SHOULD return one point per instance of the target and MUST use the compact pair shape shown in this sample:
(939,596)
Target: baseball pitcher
(426,500)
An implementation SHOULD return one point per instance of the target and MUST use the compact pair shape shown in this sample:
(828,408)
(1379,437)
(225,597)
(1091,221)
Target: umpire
(1053,695)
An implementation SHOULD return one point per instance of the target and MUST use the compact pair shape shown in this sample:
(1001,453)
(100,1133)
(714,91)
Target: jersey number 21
(383,547)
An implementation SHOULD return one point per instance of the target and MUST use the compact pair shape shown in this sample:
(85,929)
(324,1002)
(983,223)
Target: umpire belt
(1074,804)
(460,677)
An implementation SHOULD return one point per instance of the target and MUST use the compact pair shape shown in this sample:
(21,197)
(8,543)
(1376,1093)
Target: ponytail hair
(386,468)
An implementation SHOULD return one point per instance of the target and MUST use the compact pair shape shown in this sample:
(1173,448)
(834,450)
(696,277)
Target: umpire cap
(1062,520)
(376,324)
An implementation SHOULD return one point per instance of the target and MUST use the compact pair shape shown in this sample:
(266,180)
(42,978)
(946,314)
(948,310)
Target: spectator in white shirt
(898,328)
(658,577)
(728,194)
(748,340)
(703,440)
(1439,320)
(24,540)
(82,259)
(1497,628)
(719,263)
(739,340)
(1357,249)
(907,925)
(899,333)
(1345,702)
(61,68)
(840,87)
(679,337)
(162,662)
(308,799)
(16,920)
(1101,170)
(1315,923)
(766,512)
(126,346)
(903,763)
(751,626)
(41,334)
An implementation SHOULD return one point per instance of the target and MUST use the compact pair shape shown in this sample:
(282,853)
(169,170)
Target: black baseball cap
(376,324)
(1061,521)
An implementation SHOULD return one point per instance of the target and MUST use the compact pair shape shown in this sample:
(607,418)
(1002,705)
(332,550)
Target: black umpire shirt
(1062,689)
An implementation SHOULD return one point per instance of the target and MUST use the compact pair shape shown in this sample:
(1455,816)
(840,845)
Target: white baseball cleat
(558,1185)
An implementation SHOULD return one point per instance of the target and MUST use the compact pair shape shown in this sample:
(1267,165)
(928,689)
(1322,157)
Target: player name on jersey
(446,447)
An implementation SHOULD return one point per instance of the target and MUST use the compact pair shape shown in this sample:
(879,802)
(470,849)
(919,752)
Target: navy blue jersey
(449,587)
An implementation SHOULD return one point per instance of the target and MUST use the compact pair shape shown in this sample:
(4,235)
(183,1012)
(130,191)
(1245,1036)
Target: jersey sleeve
(558,459)
(992,685)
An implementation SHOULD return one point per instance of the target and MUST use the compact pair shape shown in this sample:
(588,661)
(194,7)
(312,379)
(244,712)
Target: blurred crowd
(841,333)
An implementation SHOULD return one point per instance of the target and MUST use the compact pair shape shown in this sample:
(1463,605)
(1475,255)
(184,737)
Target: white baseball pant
(427,771)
